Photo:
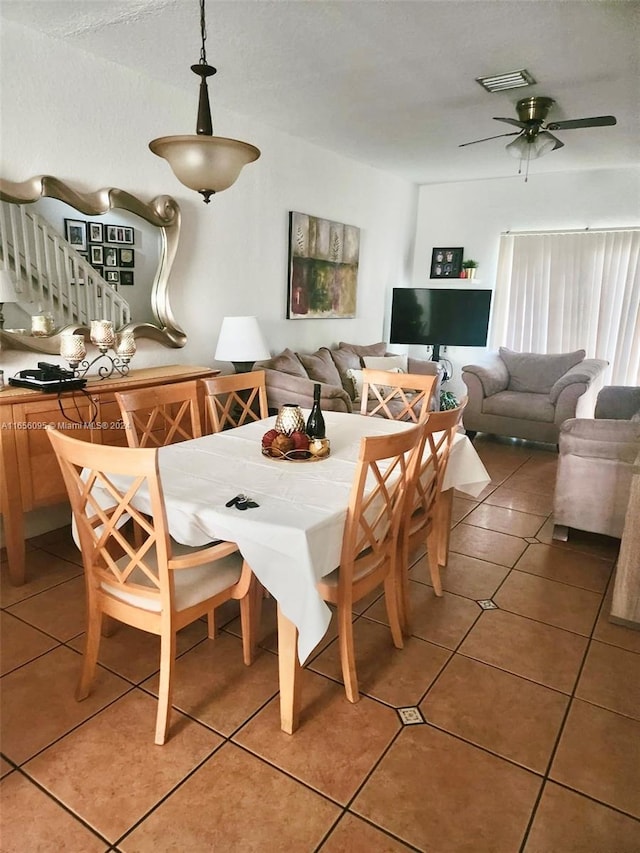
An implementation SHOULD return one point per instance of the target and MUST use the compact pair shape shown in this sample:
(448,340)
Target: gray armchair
(529,395)
(595,465)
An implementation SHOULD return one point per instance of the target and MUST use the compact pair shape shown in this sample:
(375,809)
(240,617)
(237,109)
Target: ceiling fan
(533,137)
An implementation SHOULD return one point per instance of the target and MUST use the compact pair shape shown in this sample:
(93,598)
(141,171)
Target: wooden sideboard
(30,477)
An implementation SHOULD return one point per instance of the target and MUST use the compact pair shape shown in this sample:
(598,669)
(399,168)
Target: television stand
(435,356)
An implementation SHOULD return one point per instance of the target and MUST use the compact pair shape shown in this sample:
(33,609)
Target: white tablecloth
(294,537)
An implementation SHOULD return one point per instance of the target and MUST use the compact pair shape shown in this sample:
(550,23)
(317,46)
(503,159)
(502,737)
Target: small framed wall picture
(119,234)
(126,257)
(112,276)
(446,263)
(126,277)
(96,254)
(110,255)
(96,232)
(75,233)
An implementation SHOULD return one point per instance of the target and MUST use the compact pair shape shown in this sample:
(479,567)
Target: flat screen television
(437,317)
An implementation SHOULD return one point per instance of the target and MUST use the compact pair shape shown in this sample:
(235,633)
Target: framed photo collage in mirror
(108,248)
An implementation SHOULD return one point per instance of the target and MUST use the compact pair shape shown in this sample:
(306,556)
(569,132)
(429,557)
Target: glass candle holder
(102,333)
(125,345)
(290,419)
(72,347)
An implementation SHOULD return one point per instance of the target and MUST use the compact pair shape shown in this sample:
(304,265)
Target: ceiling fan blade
(596,121)
(558,142)
(513,121)
(487,138)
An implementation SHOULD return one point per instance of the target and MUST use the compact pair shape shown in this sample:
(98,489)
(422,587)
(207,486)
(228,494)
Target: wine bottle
(315,421)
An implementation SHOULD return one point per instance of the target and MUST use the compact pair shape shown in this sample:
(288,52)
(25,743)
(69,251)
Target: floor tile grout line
(74,728)
(168,794)
(63,805)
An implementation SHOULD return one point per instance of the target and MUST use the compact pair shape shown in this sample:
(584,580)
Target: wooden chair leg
(391,599)
(90,658)
(432,557)
(250,613)
(167,665)
(211,624)
(402,593)
(347,653)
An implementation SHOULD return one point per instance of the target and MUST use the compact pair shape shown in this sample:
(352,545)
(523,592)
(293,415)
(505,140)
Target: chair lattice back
(155,417)
(425,519)
(440,431)
(397,396)
(387,467)
(236,399)
(103,482)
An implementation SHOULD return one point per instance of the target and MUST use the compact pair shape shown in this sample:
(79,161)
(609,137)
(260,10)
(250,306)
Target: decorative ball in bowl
(294,447)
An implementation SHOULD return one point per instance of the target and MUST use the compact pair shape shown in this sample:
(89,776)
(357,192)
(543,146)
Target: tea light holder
(73,349)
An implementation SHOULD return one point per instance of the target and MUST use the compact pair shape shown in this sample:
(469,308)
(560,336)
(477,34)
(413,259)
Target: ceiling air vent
(510,80)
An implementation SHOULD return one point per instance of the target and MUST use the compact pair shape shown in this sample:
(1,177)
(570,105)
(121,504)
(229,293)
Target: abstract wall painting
(323,268)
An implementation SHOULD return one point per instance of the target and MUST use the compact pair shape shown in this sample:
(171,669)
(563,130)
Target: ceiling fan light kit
(203,162)
(533,139)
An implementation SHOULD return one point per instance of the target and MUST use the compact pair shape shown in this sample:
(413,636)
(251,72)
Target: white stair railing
(52,274)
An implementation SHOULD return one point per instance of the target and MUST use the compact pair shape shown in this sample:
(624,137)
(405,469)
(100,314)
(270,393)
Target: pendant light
(206,163)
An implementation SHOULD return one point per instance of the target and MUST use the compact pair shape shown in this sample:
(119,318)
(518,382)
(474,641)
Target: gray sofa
(290,376)
(529,395)
(595,465)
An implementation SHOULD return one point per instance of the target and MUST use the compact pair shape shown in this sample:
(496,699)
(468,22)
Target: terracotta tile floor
(523,707)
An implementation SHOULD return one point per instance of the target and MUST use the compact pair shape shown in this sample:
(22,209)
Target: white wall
(473,214)
(89,122)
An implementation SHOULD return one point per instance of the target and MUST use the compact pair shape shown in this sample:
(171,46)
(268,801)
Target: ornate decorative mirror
(83,256)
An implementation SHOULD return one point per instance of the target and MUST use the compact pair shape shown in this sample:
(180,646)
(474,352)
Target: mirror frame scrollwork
(162,212)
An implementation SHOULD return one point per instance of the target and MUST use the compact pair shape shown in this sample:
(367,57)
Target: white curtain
(560,291)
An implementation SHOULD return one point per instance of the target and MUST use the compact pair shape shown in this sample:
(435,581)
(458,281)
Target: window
(561,291)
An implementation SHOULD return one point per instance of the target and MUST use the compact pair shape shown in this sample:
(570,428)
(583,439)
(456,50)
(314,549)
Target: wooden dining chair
(164,414)
(423,519)
(386,470)
(153,583)
(234,399)
(398,396)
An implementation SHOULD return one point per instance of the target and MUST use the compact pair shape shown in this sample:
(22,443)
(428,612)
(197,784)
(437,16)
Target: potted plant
(469,268)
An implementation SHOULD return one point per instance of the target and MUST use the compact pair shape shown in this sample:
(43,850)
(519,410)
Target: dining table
(293,537)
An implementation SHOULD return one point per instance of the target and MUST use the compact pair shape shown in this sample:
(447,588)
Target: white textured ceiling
(388,82)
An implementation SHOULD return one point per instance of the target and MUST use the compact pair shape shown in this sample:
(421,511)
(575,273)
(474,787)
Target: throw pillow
(537,372)
(287,362)
(360,350)
(388,362)
(345,359)
(320,367)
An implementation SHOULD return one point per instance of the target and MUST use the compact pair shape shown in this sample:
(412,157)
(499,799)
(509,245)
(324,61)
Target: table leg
(289,673)
(445,509)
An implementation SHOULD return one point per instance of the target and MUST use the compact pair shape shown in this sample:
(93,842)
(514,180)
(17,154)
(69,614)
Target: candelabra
(73,349)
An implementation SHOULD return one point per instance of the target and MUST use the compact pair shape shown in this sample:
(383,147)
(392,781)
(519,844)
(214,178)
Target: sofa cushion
(320,367)
(346,359)
(387,362)
(285,362)
(362,350)
(537,372)
(520,404)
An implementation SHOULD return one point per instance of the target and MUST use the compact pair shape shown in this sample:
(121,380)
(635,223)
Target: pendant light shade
(525,148)
(207,164)
(203,162)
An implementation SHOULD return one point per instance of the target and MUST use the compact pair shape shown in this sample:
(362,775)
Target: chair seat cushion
(191,585)
(520,404)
